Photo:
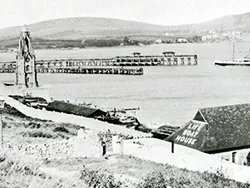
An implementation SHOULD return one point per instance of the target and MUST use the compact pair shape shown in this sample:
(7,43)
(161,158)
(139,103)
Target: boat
(8,84)
(234,62)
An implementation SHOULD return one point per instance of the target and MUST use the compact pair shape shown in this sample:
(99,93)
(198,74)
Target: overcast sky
(162,12)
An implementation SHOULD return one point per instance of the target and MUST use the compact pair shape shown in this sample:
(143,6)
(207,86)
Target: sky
(161,12)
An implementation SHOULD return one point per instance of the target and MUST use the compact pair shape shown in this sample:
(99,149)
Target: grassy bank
(20,129)
(19,171)
(129,171)
(113,171)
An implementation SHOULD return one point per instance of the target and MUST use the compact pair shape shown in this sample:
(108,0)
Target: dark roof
(65,107)
(225,128)
(164,131)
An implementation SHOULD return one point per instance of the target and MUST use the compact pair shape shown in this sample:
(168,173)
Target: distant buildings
(218,36)
(181,40)
(158,41)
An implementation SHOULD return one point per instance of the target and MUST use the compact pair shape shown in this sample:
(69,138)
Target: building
(181,40)
(223,131)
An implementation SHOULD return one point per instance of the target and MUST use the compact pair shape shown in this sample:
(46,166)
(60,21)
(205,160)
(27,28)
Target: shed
(216,129)
(65,107)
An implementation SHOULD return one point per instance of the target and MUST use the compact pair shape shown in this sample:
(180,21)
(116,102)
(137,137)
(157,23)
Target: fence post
(172,146)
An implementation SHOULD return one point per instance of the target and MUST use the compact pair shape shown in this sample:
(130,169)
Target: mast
(233,50)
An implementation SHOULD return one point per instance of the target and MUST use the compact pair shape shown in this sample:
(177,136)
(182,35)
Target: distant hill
(77,30)
(240,22)
(84,27)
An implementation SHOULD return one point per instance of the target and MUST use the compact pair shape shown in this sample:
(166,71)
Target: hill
(240,22)
(84,27)
(88,31)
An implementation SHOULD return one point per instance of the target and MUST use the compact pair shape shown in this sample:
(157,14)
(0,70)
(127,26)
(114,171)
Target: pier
(92,70)
(11,68)
(166,59)
(107,66)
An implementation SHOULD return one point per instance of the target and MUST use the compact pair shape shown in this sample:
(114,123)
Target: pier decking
(79,70)
(167,59)
(106,66)
(92,70)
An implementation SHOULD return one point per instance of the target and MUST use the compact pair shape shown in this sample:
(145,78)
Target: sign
(189,135)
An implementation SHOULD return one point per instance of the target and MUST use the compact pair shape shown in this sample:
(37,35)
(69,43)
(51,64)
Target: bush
(33,125)
(36,134)
(177,178)
(22,171)
(99,178)
(61,129)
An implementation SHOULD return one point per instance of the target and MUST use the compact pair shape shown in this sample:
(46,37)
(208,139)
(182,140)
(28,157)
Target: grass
(23,172)
(134,172)
(113,171)
(23,130)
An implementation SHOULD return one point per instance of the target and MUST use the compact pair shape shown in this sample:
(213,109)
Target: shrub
(99,178)
(23,171)
(179,178)
(61,129)
(36,134)
(33,125)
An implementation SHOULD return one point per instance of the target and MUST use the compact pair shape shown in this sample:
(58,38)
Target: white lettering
(182,139)
(185,132)
(178,138)
(196,133)
(193,142)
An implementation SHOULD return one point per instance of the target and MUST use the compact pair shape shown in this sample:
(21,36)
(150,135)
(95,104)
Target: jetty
(11,68)
(166,59)
(106,66)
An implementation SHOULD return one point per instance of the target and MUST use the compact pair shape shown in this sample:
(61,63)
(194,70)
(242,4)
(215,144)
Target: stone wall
(85,144)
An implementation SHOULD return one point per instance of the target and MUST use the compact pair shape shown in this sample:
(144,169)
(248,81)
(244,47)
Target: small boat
(8,84)
(234,62)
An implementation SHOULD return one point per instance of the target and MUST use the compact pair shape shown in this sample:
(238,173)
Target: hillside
(84,27)
(240,22)
(28,161)
(98,32)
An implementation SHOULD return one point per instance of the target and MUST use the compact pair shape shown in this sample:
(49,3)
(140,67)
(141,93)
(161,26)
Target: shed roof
(226,128)
(61,106)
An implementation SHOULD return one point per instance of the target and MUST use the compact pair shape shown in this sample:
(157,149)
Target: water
(164,94)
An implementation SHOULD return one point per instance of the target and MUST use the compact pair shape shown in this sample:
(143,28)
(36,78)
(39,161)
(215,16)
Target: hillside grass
(111,171)
(24,130)
(129,171)
(19,171)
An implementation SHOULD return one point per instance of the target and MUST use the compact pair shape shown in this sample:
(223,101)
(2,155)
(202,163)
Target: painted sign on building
(190,133)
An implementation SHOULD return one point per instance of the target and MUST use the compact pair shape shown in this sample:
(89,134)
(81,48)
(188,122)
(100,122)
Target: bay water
(164,94)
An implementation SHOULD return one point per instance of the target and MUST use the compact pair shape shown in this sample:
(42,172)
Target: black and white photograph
(125,94)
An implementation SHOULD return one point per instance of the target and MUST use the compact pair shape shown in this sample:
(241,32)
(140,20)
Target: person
(103,143)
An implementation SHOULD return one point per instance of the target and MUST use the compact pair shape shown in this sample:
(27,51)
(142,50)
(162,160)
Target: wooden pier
(92,70)
(103,66)
(79,70)
(167,59)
